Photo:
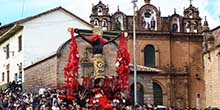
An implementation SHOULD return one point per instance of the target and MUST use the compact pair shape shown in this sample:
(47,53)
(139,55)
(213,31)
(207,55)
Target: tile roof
(141,68)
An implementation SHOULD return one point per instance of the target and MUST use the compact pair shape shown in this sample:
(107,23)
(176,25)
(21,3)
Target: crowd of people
(48,99)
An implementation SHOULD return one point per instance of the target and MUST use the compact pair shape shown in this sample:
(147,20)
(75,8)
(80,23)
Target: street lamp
(134,47)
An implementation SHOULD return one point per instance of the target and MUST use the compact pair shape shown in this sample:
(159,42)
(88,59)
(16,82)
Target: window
(195,26)
(175,28)
(149,56)
(104,23)
(8,72)
(158,94)
(96,23)
(20,77)
(191,13)
(119,23)
(188,26)
(3,76)
(175,25)
(7,51)
(16,77)
(99,10)
(19,43)
(8,76)
(149,20)
(20,72)
(140,93)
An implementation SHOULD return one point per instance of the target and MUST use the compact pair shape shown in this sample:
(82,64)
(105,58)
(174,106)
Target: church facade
(172,44)
(169,55)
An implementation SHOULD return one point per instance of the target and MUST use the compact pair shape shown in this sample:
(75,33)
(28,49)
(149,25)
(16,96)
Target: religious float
(99,91)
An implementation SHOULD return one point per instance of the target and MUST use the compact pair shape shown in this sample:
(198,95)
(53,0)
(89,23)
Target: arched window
(195,26)
(140,93)
(174,27)
(188,26)
(104,25)
(191,13)
(100,11)
(149,56)
(149,20)
(119,23)
(158,94)
(96,23)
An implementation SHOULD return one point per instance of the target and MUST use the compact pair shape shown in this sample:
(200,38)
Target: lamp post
(134,49)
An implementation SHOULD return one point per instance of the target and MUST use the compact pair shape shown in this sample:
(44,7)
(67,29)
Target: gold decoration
(99,66)
(70,29)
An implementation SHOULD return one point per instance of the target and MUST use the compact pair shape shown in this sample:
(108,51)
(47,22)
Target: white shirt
(55,108)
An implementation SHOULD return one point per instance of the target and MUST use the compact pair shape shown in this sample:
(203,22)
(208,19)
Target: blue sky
(11,10)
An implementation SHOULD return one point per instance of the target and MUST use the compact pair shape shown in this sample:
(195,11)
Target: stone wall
(145,79)
(180,58)
(212,70)
(212,78)
(42,74)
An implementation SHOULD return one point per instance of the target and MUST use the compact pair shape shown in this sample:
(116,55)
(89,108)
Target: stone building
(169,52)
(172,44)
(211,66)
(51,68)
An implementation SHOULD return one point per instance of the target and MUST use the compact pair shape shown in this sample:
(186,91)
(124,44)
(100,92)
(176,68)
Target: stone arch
(148,17)
(156,54)
(195,26)
(188,26)
(164,90)
(158,94)
(161,85)
(104,24)
(140,93)
(100,10)
(175,27)
(96,22)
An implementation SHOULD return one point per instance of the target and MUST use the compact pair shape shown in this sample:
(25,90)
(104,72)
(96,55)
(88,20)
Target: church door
(140,93)
(158,94)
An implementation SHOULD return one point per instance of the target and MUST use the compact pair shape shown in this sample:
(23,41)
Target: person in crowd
(55,106)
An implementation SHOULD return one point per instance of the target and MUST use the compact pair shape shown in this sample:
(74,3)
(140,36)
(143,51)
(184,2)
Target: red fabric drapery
(71,69)
(122,61)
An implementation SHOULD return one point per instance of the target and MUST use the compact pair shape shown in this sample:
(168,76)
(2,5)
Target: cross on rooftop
(190,2)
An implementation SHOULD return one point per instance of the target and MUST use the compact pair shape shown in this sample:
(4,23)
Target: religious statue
(97,43)
(100,91)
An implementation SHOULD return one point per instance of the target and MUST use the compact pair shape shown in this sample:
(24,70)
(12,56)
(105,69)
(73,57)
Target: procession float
(99,91)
